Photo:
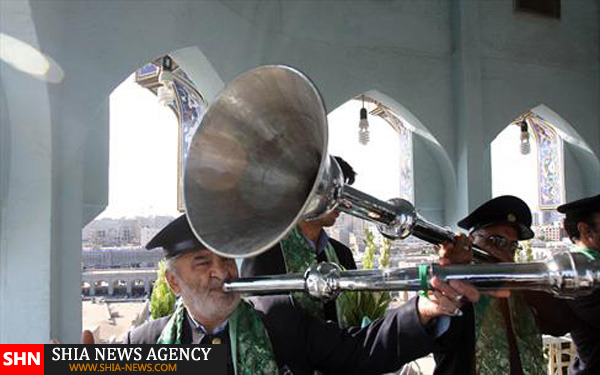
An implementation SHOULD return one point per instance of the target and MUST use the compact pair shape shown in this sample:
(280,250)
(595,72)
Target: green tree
(361,308)
(384,259)
(368,262)
(525,254)
(162,302)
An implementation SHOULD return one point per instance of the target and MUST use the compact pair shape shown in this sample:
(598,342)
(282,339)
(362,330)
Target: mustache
(217,284)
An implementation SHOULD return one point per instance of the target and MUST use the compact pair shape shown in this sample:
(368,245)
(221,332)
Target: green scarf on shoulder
(592,254)
(352,308)
(298,255)
(492,351)
(249,340)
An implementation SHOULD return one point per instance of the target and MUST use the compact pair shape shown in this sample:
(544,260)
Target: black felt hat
(581,207)
(176,238)
(504,210)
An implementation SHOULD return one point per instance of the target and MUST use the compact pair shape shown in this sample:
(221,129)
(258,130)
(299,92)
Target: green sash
(593,254)
(492,354)
(352,308)
(251,347)
(298,255)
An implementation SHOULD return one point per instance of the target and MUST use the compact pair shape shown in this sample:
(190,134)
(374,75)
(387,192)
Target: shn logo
(21,358)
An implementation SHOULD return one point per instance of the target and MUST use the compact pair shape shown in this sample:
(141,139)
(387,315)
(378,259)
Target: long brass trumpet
(258,164)
(566,275)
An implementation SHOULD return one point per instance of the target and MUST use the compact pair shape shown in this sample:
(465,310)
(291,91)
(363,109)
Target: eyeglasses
(501,242)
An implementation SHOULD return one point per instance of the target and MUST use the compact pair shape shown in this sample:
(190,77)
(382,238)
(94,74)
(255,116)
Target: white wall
(429,183)
(25,233)
(464,69)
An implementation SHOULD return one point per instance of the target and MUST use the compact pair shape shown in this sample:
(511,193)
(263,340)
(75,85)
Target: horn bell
(255,159)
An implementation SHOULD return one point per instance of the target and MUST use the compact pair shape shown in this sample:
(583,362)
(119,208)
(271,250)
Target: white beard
(213,309)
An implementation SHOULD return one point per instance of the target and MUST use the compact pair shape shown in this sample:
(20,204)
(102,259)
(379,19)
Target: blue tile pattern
(550,164)
(148,70)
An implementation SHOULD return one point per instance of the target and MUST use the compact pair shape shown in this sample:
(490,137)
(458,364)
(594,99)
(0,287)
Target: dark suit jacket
(303,344)
(586,334)
(553,316)
(271,262)
(456,353)
(149,332)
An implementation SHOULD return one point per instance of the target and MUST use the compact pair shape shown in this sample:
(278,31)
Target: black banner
(135,359)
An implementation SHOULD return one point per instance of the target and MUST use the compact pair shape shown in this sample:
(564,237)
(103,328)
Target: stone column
(25,192)
(111,287)
(472,151)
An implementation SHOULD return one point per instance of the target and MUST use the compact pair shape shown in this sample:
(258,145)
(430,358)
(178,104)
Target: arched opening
(386,143)
(119,288)
(137,288)
(153,114)
(100,288)
(434,176)
(388,148)
(85,289)
(527,162)
(581,163)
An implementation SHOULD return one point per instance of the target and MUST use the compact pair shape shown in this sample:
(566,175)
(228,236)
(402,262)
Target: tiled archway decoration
(551,184)
(189,107)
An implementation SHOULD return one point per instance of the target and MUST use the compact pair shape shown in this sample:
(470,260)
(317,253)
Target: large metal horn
(258,164)
(257,156)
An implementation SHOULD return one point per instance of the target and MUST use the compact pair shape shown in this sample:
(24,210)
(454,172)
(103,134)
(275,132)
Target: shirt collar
(199,327)
(321,242)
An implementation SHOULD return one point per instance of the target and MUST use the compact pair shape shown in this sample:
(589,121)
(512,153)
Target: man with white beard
(280,337)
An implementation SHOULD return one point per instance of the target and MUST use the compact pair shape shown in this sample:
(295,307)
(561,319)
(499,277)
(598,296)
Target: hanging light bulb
(363,125)
(166,90)
(525,146)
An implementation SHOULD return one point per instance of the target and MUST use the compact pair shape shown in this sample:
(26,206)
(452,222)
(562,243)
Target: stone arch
(119,287)
(531,168)
(100,287)
(582,164)
(137,287)
(568,129)
(432,165)
(567,167)
(86,287)
(198,69)
(433,192)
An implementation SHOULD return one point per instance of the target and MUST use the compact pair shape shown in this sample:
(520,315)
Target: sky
(376,162)
(143,155)
(514,173)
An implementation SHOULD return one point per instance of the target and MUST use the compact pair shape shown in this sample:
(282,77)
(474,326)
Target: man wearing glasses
(503,335)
